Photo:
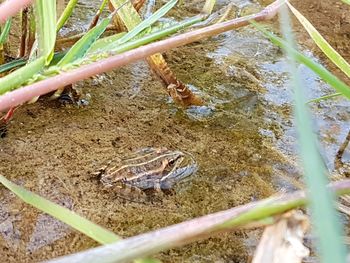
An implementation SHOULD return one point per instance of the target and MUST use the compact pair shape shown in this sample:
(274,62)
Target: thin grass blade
(119,48)
(133,31)
(67,12)
(326,97)
(333,55)
(321,71)
(65,215)
(102,43)
(324,216)
(346,1)
(5,31)
(149,21)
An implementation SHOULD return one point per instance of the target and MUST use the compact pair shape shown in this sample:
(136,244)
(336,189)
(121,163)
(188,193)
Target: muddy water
(242,139)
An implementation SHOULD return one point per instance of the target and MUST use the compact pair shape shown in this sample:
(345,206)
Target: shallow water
(243,140)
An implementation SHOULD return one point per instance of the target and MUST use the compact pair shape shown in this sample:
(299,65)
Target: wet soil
(242,139)
(331,19)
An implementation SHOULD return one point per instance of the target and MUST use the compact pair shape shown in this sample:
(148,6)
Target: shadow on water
(243,140)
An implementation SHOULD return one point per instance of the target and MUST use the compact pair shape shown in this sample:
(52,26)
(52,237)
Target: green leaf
(119,48)
(12,64)
(82,46)
(5,31)
(65,215)
(346,1)
(136,28)
(149,21)
(101,44)
(67,12)
(22,61)
(322,43)
(45,13)
(321,71)
(21,75)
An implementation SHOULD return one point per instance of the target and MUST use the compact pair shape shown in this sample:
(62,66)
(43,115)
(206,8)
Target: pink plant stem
(11,7)
(22,95)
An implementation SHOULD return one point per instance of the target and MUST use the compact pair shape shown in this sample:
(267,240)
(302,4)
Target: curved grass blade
(67,12)
(5,31)
(45,13)
(65,215)
(21,75)
(333,55)
(321,71)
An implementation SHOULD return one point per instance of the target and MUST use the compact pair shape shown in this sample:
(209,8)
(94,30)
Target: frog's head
(180,165)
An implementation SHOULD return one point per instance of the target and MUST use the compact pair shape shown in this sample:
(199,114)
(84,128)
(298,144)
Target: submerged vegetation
(119,36)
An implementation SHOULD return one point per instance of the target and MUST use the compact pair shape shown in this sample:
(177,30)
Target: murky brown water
(242,139)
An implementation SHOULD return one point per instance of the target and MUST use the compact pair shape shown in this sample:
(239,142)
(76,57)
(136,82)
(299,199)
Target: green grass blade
(67,12)
(22,61)
(82,46)
(324,215)
(12,64)
(119,48)
(321,71)
(141,26)
(333,55)
(346,1)
(103,5)
(326,97)
(149,21)
(21,75)
(5,31)
(102,43)
(65,215)
(45,13)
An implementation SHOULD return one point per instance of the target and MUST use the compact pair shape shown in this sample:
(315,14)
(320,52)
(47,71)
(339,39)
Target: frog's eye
(172,161)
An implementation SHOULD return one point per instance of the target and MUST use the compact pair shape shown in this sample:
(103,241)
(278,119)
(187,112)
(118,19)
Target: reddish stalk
(22,95)
(11,8)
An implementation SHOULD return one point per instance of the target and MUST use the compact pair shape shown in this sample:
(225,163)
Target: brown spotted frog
(148,169)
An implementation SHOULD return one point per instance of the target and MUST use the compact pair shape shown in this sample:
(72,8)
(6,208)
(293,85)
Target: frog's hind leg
(131,193)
